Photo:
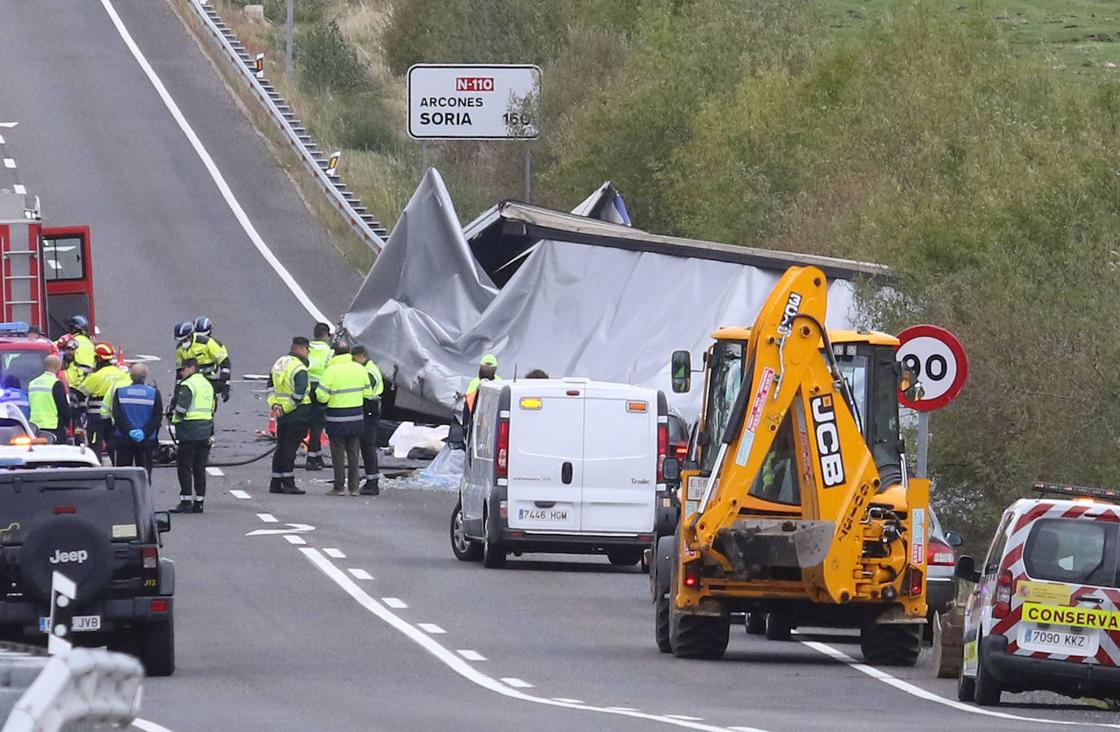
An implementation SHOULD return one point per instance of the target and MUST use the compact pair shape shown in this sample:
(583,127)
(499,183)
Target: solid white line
(395,602)
(242,495)
(519,684)
(216,472)
(431,628)
(745,729)
(886,678)
(212,168)
(685,717)
(149,726)
(293,539)
(458,665)
(471,655)
(334,553)
(268,518)
(358,573)
(565,700)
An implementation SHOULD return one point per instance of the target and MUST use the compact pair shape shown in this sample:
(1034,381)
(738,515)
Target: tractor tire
(698,636)
(464,549)
(756,623)
(890,644)
(777,627)
(659,584)
(948,643)
(661,623)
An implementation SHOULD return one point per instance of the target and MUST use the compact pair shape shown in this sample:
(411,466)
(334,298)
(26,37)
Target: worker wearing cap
(372,407)
(487,371)
(289,398)
(136,413)
(50,404)
(319,353)
(344,390)
(194,430)
(95,388)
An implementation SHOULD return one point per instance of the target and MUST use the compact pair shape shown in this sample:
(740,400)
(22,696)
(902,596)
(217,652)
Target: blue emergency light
(12,462)
(15,328)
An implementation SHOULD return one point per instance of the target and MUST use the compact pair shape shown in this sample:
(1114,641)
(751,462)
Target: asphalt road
(365,621)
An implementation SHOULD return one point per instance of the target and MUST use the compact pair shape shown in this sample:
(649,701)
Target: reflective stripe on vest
(284,384)
(40,393)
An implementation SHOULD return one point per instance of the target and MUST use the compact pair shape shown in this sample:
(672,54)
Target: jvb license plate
(542,514)
(1059,640)
(79,624)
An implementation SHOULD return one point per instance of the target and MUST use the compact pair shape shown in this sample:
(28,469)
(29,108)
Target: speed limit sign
(937,359)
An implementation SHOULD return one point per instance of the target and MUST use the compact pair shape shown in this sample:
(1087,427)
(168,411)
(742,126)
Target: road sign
(937,359)
(473,101)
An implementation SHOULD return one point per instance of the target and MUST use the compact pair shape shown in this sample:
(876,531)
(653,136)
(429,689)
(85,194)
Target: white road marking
(148,726)
(142,358)
(685,717)
(471,655)
(241,495)
(911,689)
(395,602)
(268,518)
(519,684)
(216,472)
(9,163)
(292,529)
(745,729)
(431,628)
(359,573)
(629,709)
(334,553)
(254,377)
(460,666)
(212,168)
(22,190)
(564,700)
(293,539)
(1,139)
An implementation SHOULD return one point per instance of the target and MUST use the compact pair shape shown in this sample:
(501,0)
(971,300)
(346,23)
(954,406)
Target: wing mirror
(671,469)
(909,385)
(681,371)
(953,539)
(966,569)
(163,521)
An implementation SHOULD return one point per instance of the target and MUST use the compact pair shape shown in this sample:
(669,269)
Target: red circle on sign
(939,334)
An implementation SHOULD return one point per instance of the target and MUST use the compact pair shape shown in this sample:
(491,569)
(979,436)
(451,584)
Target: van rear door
(619,459)
(546,458)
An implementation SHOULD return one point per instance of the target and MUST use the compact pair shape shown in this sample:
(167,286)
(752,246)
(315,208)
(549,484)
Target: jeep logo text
(77,557)
(828,441)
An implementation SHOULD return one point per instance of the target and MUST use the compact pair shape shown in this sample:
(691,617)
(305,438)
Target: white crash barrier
(82,685)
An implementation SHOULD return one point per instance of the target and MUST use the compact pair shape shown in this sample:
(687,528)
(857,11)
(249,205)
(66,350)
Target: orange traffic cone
(269,432)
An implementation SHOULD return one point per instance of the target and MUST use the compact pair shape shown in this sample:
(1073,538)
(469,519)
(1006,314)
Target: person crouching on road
(372,419)
(344,389)
(137,411)
(289,399)
(194,429)
(50,404)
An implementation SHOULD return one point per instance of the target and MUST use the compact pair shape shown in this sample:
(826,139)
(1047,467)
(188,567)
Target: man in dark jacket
(137,411)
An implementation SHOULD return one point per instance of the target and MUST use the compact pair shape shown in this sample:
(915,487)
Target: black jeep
(96,526)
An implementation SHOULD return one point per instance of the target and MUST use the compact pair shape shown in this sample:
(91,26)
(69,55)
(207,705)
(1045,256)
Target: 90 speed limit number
(937,359)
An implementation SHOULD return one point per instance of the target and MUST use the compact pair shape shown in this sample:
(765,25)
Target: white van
(561,466)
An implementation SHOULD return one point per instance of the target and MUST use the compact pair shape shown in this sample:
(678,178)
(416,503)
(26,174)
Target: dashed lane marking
(21,190)
(431,628)
(519,684)
(334,553)
(293,539)
(503,687)
(216,472)
(240,495)
(268,518)
(359,573)
(9,163)
(395,602)
(212,168)
(471,655)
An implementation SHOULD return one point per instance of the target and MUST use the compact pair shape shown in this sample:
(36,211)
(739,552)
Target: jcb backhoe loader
(799,510)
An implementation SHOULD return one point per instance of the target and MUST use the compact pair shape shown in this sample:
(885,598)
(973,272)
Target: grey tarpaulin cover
(592,298)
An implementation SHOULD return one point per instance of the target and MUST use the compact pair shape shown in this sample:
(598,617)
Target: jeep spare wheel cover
(71,545)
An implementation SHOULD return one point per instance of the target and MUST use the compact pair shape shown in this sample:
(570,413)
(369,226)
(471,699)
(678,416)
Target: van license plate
(1059,640)
(542,514)
(79,624)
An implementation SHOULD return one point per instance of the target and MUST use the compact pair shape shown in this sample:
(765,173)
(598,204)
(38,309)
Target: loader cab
(869,365)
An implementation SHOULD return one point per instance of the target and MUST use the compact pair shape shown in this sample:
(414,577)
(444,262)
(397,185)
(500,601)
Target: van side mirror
(671,469)
(681,371)
(163,521)
(953,539)
(966,569)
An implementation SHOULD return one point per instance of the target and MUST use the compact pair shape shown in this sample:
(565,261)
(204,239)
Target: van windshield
(1076,551)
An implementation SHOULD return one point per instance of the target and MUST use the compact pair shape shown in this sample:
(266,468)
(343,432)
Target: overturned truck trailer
(570,294)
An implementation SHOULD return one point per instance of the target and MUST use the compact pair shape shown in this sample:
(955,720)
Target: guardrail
(368,228)
(42,694)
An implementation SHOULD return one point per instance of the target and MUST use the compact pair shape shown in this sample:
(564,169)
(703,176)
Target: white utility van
(561,466)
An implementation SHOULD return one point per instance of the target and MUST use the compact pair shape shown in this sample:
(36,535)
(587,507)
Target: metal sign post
(528,174)
(937,360)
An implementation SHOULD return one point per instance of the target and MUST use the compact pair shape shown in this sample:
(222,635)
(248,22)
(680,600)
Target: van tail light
(501,463)
(662,449)
(1001,600)
(692,575)
(914,582)
(940,554)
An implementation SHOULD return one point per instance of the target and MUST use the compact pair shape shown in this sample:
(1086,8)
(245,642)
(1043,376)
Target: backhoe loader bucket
(754,546)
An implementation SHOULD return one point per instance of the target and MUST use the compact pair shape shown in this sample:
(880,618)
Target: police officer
(318,355)
(96,387)
(220,370)
(137,410)
(194,429)
(50,405)
(344,389)
(207,352)
(289,399)
(372,419)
